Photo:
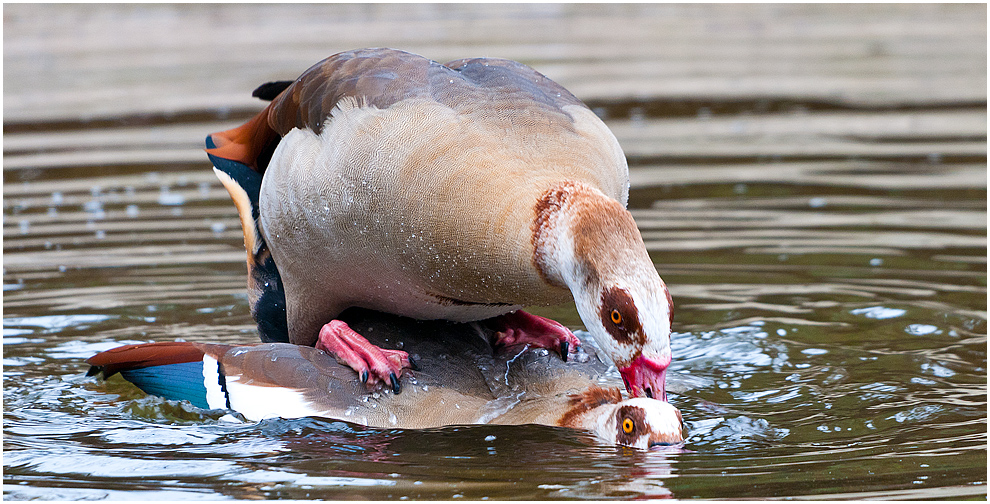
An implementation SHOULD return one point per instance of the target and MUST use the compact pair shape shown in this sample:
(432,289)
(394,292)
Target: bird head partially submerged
(590,244)
(639,422)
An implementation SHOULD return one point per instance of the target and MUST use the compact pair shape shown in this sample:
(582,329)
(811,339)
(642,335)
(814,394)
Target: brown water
(810,181)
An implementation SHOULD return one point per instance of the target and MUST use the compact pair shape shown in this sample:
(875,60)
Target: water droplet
(93,206)
(637,115)
(169,198)
(921,329)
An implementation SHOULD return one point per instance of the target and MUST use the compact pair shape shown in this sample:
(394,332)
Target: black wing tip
(270,90)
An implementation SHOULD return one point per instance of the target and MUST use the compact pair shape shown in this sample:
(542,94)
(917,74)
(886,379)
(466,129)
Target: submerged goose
(461,191)
(460,381)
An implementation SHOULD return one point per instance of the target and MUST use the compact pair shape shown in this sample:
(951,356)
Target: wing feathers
(144,355)
(380,78)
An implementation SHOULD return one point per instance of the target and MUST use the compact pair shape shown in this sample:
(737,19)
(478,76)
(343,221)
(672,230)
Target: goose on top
(460,191)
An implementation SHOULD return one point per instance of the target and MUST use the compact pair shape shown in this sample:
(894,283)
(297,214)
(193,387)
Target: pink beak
(646,376)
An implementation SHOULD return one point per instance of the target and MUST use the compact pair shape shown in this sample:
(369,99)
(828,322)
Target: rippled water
(827,260)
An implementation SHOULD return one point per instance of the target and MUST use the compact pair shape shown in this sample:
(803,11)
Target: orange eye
(616,317)
(627,424)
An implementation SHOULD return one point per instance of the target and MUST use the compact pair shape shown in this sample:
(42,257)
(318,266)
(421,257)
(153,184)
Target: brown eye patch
(626,416)
(620,316)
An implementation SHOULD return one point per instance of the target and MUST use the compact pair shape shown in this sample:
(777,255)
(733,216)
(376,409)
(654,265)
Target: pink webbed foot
(520,327)
(373,364)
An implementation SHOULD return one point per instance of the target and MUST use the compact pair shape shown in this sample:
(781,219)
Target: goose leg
(520,327)
(372,364)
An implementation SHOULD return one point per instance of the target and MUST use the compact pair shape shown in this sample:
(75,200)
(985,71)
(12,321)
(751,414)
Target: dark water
(827,260)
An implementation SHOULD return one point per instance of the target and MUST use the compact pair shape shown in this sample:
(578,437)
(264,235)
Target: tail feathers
(173,370)
(179,382)
(250,144)
(270,90)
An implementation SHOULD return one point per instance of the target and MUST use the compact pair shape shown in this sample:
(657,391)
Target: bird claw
(523,328)
(372,364)
(396,387)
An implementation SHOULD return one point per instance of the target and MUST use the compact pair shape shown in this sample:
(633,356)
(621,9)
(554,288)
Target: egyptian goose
(460,381)
(461,191)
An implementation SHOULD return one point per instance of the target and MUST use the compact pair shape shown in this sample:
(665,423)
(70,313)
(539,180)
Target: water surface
(826,251)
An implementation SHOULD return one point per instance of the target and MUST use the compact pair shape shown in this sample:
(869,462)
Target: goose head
(589,243)
(639,422)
